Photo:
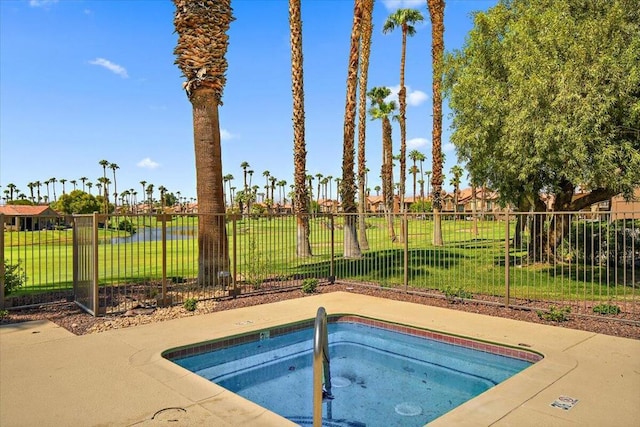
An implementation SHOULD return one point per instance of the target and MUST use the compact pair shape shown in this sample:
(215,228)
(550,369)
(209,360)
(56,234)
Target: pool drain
(408,409)
(340,382)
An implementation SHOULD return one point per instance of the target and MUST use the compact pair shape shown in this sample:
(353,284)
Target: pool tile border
(487,347)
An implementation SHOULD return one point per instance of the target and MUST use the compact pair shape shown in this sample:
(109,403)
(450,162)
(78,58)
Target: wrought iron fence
(582,260)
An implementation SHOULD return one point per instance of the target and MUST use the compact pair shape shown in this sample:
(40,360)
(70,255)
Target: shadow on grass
(386,263)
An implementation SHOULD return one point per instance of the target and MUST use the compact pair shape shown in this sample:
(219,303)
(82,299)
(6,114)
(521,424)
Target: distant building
(29,218)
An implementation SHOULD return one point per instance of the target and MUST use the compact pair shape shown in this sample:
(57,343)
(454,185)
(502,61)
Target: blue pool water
(379,377)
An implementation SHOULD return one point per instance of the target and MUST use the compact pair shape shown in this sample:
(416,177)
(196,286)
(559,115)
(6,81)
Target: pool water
(380,377)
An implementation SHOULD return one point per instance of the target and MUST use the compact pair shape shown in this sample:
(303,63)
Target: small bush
(309,286)
(190,304)
(452,294)
(126,225)
(555,314)
(14,276)
(3,314)
(606,309)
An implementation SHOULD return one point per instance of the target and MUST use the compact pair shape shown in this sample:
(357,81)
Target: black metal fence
(588,262)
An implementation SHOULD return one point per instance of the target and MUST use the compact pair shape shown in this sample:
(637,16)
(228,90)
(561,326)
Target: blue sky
(82,81)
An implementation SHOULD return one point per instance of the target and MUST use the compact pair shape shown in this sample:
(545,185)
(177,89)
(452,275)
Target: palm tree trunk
(301,205)
(365,50)
(436,11)
(351,246)
(213,256)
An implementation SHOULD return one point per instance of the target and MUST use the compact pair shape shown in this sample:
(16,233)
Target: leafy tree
(546,99)
(78,202)
(20,202)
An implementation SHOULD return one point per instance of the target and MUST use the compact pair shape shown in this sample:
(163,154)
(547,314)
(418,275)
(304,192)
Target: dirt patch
(72,318)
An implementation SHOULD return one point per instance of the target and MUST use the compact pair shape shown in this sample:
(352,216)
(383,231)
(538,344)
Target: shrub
(14,276)
(606,309)
(555,314)
(190,304)
(309,286)
(452,294)
(126,225)
(3,314)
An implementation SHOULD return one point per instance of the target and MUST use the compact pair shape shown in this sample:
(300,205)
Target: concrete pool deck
(50,377)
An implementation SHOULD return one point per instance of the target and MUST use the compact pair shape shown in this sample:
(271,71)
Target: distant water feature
(146,234)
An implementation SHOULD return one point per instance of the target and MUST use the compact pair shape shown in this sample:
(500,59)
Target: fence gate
(85,262)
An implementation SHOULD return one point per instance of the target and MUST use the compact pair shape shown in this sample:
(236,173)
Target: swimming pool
(382,374)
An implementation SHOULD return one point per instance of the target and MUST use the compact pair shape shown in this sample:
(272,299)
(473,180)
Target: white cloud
(403,4)
(114,68)
(414,98)
(147,163)
(225,135)
(41,3)
(448,148)
(414,143)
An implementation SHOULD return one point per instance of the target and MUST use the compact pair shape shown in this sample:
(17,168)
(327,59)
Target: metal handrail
(320,366)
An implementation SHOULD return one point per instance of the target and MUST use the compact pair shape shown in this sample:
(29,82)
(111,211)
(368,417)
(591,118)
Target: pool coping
(69,376)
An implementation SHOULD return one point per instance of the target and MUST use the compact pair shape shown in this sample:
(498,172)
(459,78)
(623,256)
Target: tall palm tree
(436,12)
(47,182)
(63,181)
(31,186)
(245,166)
(12,189)
(200,55)
(365,52)
(53,185)
(382,110)
(84,180)
(404,19)
(377,189)
(89,185)
(163,190)
(144,188)
(351,246)
(310,191)
(319,177)
(413,170)
(113,167)
(457,173)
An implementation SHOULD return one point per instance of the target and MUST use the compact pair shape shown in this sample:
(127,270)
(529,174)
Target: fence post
(96,282)
(163,221)
(506,261)
(2,282)
(234,267)
(332,272)
(74,255)
(405,231)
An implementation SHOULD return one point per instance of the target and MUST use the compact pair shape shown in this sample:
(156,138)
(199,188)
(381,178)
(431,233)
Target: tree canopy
(78,202)
(545,97)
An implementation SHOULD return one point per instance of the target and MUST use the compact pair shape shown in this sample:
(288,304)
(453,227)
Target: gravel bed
(72,318)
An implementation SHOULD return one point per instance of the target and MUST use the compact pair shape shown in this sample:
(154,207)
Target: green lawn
(263,249)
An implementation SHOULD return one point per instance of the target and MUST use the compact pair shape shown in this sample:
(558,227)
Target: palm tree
(310,190)
(89,185)
(13,189)
(405,20)
(413,170)
(84,179)
(436,12)
(457,172)
(163,190)
(53,185)
(63,181)
(281,184)
(200,55)
(245,166)
(144,188)
(351,245)
(377,189)
(149,192)
(417,156)
(319,177)
(383,111)
(47,182)
(113,167)
(365,51)
(31,186)
(227,179)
